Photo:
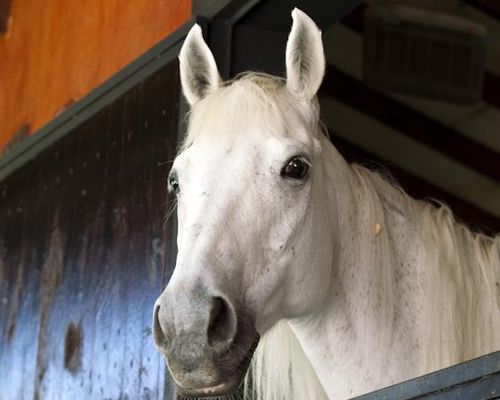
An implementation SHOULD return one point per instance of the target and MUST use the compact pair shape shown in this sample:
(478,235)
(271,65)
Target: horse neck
(397,262)
(355,325)
(365,224)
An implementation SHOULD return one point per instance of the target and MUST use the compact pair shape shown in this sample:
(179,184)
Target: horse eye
(295,168)
(173,184)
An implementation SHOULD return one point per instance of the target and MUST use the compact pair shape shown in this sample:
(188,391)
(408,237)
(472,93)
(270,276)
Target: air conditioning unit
(423,52)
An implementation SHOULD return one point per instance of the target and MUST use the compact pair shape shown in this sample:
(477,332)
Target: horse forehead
(207,153)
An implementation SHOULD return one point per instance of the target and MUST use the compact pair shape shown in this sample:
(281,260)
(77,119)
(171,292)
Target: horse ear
(305,60)
(199,74)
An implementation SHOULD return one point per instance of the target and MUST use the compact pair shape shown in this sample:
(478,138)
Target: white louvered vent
(414,51)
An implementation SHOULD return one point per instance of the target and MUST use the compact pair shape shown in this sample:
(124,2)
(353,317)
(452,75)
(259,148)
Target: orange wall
(58,50)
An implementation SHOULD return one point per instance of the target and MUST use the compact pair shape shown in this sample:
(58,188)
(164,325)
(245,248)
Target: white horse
(350,284)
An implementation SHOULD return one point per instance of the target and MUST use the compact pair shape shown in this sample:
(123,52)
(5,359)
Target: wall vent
(420,52)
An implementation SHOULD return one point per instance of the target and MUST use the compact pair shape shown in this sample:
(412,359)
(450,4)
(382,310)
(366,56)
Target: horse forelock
(250,100)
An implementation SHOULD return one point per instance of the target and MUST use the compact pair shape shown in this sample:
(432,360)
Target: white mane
(280,369)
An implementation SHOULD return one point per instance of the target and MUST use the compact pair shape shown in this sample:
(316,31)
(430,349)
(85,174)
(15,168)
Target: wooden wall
(57,51)
(84,252)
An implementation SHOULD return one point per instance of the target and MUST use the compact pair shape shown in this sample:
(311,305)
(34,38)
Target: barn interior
(412,89)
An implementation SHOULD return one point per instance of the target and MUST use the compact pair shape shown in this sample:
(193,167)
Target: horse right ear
(305,60)
(199,74)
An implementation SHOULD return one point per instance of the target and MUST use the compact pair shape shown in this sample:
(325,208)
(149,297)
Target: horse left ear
(305,60)
(198,70)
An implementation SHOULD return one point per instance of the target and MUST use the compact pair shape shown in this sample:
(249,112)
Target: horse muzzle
(208,344)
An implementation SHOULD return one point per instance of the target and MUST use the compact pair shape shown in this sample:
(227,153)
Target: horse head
(249,182)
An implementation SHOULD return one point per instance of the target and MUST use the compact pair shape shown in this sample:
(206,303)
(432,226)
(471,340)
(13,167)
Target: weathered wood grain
(84,252)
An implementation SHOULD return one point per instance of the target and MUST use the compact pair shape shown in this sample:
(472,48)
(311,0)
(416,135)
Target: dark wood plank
(489,7)
(491,89)
(85,251)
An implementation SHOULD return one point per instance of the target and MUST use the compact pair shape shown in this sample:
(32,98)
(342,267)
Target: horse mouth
(230,386)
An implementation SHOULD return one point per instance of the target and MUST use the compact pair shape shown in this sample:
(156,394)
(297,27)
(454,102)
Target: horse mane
(462,270)
(280,369)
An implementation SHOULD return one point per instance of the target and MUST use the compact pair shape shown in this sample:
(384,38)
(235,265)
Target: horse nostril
(159,335)
(221,325)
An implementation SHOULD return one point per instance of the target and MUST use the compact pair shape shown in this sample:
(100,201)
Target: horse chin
(230,386)
(227,388)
